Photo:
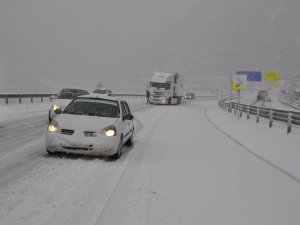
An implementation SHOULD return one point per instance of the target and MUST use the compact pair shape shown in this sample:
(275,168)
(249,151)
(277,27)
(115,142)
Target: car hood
(82,122)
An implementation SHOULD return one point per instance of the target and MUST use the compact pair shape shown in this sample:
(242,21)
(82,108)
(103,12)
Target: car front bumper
(75,144)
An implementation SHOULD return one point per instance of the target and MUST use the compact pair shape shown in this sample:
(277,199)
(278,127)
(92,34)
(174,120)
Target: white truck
(165,88)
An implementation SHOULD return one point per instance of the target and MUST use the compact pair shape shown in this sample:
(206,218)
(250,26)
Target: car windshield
(71,93)
(160,85)
(93,107)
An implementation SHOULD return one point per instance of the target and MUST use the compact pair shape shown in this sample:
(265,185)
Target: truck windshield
(160,85)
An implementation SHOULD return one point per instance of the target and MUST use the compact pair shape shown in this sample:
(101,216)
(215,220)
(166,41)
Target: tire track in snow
(124,183)
(268,162)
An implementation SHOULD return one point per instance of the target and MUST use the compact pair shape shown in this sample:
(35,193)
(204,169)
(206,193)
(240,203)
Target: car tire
(119,150)
(49,117)
(50,153)
(131,139)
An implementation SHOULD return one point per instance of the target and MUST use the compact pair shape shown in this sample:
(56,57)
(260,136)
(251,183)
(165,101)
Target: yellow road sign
(239,82)
(272,76)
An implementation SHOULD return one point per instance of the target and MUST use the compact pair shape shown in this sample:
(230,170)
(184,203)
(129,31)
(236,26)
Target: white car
(64,97)
(102,90)
(96,125)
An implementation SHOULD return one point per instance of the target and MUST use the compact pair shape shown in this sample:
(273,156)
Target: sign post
(239,82)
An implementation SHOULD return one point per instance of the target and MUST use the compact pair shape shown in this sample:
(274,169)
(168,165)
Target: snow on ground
(190,164)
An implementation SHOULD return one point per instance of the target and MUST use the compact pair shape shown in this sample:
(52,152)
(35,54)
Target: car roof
(98,96)
(65,89)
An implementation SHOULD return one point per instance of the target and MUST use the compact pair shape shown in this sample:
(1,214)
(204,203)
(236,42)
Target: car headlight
(109,131)
(55,107)
(53,126)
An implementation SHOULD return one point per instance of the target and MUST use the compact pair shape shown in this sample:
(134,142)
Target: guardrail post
(240,111)
(271,119)
(257,115)
(20,100)
(31,99)
(6,101)
(42,99)
(248,112)
(289,123)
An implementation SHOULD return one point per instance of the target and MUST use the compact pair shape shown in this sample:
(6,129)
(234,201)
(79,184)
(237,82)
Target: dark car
(64,97)
(189,95)
(263,96)
(104,91)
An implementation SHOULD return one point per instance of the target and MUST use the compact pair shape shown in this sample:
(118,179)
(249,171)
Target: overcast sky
(60,40)
(50,44)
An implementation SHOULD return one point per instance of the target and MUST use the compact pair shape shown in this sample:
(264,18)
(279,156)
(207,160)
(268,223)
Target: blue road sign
(251,75)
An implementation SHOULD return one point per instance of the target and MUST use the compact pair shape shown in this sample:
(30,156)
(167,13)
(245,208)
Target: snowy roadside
(270,144)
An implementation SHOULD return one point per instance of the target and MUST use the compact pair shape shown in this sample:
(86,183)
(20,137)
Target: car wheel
(119,151)
(50,153)
(131,139)
(49,117)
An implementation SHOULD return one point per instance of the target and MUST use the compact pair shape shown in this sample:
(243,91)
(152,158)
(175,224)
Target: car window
(71,93)
(93,107)
(99,91)
(127,108)
(65,95)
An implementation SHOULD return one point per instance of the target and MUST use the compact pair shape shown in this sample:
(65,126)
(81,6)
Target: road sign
(272,76)
(251,75)
(239,82)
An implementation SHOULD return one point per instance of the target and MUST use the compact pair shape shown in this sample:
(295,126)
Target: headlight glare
(109,131)
(55,107)
(53,126)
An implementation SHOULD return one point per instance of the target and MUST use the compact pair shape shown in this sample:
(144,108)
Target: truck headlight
(109,131)
(55,107)
(53,126)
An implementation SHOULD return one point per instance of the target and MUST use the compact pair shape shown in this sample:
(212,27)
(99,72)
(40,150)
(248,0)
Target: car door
(128,124)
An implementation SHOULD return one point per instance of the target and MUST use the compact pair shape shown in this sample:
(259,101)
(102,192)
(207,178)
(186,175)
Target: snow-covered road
(190,164)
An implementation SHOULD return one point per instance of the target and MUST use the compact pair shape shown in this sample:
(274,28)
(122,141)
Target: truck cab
(165,88)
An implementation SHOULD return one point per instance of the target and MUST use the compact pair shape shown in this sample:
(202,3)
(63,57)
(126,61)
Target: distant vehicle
(189,95)
(96,125)
(104,91)
(166,88)
(263,96)
(64,97)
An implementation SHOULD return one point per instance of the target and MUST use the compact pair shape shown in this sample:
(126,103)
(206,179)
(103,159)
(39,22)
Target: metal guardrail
(42,96)
(129,95)
(22,96)
(289,117)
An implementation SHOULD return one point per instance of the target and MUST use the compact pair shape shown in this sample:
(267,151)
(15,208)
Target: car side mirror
(129,117)
(57,111)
